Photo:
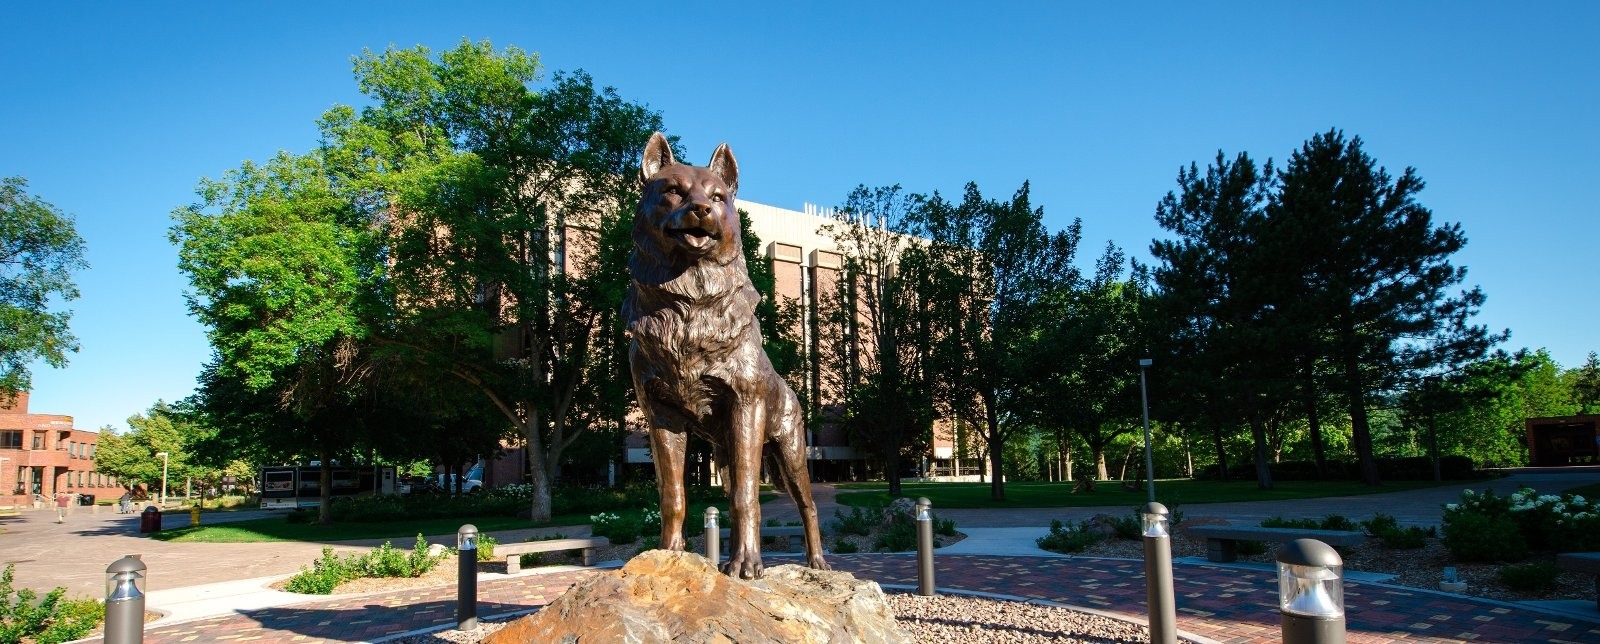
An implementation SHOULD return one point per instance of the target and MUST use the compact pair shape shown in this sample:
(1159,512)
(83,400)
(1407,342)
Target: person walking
(125,501)
(63,500)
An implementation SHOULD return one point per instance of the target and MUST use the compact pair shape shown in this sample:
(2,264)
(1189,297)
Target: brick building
(41,454)
(806,265)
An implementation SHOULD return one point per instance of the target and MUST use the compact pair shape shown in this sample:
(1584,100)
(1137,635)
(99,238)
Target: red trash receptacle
(150,520)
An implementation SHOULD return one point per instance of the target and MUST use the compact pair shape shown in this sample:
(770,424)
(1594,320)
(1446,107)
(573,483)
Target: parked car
(447,483)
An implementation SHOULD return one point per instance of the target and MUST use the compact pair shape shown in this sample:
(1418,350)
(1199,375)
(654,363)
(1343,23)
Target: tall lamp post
(1149,463)
(164,478)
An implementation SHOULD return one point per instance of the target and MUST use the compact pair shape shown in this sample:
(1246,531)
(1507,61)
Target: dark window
(38,442)
(11,439)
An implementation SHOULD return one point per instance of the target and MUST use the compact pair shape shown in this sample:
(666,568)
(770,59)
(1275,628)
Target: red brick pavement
(1225,604)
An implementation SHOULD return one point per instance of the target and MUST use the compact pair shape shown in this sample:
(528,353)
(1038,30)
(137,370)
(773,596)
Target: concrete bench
(1588,562)
(1222,541)
(795,533)
(513,551)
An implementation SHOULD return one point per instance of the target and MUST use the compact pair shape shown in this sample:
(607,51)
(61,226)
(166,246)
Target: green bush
(1330,522)
(648,543)
(1065,539)
(618,528)
(1379,524)
(860,521)
(1537,577)
(486,546)
(898,536)
(1130,527)
(1474,536)
(327,572)
(844,547)
(1252,547)
(48,620)
(946,527)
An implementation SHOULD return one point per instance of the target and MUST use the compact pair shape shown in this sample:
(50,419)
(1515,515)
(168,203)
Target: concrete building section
(42,454)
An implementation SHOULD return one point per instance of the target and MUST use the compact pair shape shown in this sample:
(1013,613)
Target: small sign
(1450,574)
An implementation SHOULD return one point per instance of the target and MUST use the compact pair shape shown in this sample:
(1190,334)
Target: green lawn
(401,532)
(1110,493)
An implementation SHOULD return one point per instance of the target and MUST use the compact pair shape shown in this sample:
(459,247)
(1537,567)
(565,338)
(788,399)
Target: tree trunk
(1319,452)
(1258,436)
(538,473)
(1355,394)
(1222,452)
(325,495)
(1101,473)
(891,463)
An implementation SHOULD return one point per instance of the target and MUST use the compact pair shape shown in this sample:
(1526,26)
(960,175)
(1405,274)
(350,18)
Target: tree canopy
(39,251)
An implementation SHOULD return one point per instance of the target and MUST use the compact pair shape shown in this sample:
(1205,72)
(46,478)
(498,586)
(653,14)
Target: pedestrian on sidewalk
(63,501)
(125,501)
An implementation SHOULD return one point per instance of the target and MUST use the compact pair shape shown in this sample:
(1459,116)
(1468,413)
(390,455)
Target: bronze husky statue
(696,353)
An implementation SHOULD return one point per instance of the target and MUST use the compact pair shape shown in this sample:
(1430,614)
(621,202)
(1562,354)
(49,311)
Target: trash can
(85,499)
(150,520)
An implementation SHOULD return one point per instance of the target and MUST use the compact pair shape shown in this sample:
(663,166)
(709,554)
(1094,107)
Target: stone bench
(795,533)
(513,551)
(1588,562)
(1222,541)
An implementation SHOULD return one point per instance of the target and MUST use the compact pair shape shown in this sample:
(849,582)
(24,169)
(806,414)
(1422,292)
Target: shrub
(860,521)
(1394,537)
(648,543)
(486,546)
(325,574)
(844,547)
(1538,576)
(1475,536)
(50,619)
(898,536)
(1129,527)
(946,527)
(1065,539)
(618,528)
(1330,522)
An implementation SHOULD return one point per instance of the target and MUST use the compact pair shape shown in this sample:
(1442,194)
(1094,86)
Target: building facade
(41,454)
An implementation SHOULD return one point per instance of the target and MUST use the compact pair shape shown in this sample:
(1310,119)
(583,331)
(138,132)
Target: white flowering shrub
(1486,527)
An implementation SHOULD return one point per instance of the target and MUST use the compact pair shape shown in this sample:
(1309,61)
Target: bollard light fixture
(711,519)
(125,601)
(125,579)
(467,577)
(1154,517)
(1309,579)
(467,537)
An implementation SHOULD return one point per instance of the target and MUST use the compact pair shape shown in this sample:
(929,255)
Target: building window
(38,442)
(11,439)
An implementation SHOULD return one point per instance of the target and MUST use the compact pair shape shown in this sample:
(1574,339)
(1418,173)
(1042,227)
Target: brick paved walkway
(1226,604)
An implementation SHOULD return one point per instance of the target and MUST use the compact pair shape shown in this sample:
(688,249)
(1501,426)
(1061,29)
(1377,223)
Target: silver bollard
(1159,597)
(125,601)
(924,547)
(713,537)
(1311,593)
(467,577)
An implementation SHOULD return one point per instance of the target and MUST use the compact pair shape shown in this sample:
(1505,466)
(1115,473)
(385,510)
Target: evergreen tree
(1373,265)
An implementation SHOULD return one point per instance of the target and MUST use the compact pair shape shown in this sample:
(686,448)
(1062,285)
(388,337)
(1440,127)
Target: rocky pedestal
(662,596)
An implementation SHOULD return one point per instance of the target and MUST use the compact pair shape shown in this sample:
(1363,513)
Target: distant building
(41,454)
(806,265)
(1563,440)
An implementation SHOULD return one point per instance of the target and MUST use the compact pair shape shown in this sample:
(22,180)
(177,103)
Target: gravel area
(945,619)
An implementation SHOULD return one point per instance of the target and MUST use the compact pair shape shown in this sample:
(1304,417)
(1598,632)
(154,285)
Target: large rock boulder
(663,596)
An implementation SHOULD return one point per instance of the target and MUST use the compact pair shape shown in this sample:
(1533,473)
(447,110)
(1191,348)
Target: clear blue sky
(113,111)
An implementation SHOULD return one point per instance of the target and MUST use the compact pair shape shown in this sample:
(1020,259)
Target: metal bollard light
(125,601)
(713,537)
(467,577)
(1311,593)
(924,547)
(1158,575)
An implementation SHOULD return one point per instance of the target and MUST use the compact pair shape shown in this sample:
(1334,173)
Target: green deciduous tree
(502,207)
(990,265)
(39,251)
(881,314)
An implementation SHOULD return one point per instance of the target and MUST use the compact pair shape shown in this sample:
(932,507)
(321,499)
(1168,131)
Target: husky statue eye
(717,196)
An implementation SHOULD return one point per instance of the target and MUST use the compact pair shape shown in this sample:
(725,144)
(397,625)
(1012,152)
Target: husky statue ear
(723,165)
(657,155)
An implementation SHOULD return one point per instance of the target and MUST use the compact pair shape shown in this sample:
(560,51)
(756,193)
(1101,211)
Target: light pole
(163,456)
(1149,463)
